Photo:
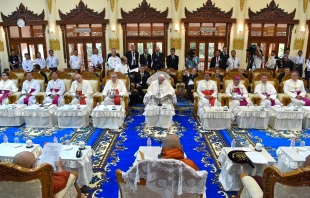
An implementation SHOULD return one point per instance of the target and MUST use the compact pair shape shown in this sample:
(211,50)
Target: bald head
(24,159)
(172,141)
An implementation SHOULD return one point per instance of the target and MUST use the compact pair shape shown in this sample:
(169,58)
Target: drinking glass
(302,143)
(16,140)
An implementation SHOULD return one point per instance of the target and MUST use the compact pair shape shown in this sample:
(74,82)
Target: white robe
(27,65)
(75,62)
(235,103)
(8,85)
(86,89)
(269,89)
(108,91)
(113,62)
(206,85)
(158,93)
(27,86)
(58,84)
(41,62)
(291,88)
(96,59)
(124,69)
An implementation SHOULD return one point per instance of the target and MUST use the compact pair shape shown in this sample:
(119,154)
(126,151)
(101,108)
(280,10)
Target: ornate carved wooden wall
(144,13)
(308,45)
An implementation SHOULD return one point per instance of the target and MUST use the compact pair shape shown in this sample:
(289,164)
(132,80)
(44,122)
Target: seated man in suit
(37,69)
(113,91)
(158,60)
(172,149)
(146,59)
(81,91)
(7,87)
(29,91)
(281,76)
(27,159)
(189,80)
(266,92)
(172,60)
(140,79)
(242,73)
(55,90)
(175,80)
(207,91)
(218,61)
(218,75)
(238,94)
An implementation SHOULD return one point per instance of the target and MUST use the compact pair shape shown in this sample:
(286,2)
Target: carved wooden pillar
(186,40)
(308,45)
(44,44)
(104,51)
(166,40)
(6,39)
(63,33)
(124,29)
(291,26)
(228,30)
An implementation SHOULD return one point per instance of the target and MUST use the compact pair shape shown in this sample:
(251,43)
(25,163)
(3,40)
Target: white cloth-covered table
(252,117)
(286,118)
(289,158)
(36,116)
(306,119)
(158,116)
(69,116)
(213,119)
(82,165)
(230,171)
(108,118)
(8,151)
(149,153)
(10,116)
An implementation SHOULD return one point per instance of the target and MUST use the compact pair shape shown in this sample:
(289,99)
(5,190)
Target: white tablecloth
(149,153)
(83,165)
(289,159)
(252,117)
(8,151)
(40,117)
(281,119)
(230,171)
(306,119)
(108,118)
(73,118)
(12,117)
(212,119)
(158,116)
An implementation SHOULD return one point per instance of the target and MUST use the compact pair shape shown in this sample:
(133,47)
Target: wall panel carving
(238,44)
(305,5)
(114,43)
(176,4)
(49,5)
(176,43)
(299,44)
(54,44)
(242,4)
(1,46)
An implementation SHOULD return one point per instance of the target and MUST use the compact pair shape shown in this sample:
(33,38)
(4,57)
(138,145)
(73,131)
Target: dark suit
(158,61)
(219,77)
(288,64)
(222,63)
(225,57)
(15,61)
(281,76)
(174,79)
(189,88)
(138,79)
(129,58)
(146,61)
(44,75)
(172,63)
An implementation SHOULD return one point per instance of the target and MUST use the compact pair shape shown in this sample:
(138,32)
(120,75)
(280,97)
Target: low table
(306,119)
(230,171)
(289,158)
(252,117)
(213,119)
(283,119)
(69,116)
(41,117)
(159,116)
(106,118)
(9,150)
(10,116)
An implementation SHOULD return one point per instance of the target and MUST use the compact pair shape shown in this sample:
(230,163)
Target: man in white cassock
(76,61)
(81,91)
(237,93)
(160,92)
(295,89)
(7,87)
(266,92)
(113,91)
(55,90)
(29,91)
(96,59)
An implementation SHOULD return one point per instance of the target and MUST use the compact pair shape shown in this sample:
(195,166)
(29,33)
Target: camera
(252,50)
(191,53)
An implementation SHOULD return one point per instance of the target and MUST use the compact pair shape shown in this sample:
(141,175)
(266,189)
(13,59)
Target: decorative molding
(49,5)
(1,46)
(299,43)
(54,44)
(305,5)
(176,4)
(242,4)
(114,43)
(112,4)
(238,44)
(176,43)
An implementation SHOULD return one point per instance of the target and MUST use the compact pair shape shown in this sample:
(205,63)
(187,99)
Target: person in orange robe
(27,160)
(172,149)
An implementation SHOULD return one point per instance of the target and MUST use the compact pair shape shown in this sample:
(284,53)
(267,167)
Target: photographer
(255,57)
(286,62)
(192,61)
(218,61)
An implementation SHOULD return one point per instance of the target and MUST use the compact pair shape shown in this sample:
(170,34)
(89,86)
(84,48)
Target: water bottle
(16,140)
(233,143)
(5,139)
(149,142)
(97,104)
(55,140)
(293,141)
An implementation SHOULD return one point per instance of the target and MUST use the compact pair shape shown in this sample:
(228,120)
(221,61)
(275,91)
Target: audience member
(172,60)
(189,79)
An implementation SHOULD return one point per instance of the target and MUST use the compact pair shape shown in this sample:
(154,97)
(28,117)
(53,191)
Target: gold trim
(112,4)
(1,46)
(54,44)
(49,4)
(305,5)
(175,43)
(242,4)
(176,4)
(299,43)
(114,43)
(238,43)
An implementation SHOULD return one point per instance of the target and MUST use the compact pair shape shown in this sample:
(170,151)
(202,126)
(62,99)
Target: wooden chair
(256,72)
(70,71)
(16,181)
(196,96)
(247,72)
(276,184)
(13,77)
(223,72)
(20,73)
(178,85)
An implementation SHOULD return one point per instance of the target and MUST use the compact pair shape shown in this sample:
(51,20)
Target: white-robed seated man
(266,92)
(7,87)
(238,94)
(160,92)
(30,89)
(55,90)
(81,91)
(113,91)
(295,89)
(207,91)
